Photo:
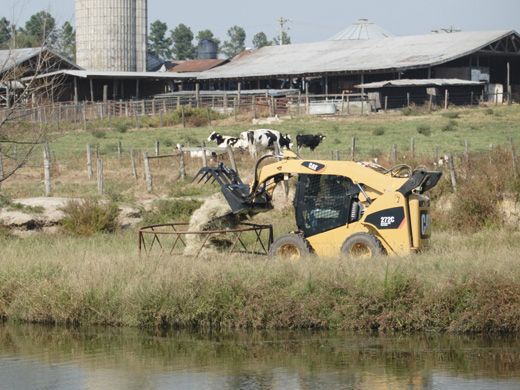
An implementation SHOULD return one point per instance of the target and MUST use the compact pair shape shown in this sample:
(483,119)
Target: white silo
(111,35)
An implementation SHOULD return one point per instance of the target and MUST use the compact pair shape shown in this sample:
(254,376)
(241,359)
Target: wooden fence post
(90,172)
(513,157)
(100,177)
(353,149)
(147,173)
(161,118)
(337,155)
(119,150)
(47,169)
(84,117)
(446,99)
(430,103)
(132,161)
(182,164)
(408,99)
(412,147)
(393,155)
(204,157)
(157,148)
(386,103)
(1,167)
(183,117)
(232,160)
(451,168)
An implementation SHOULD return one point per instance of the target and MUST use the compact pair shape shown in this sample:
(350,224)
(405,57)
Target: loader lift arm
(257,197)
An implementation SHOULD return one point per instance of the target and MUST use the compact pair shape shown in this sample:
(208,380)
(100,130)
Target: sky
(308,20)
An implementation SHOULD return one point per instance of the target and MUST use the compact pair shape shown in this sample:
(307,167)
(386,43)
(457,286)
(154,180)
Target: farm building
(337,66)
(16,64)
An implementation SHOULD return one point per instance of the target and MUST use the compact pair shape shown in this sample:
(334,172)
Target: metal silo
(207,50)
(111,35)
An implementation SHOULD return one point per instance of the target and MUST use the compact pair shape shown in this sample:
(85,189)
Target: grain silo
(111,35)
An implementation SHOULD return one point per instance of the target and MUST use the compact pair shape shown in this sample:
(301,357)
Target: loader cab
(325,202)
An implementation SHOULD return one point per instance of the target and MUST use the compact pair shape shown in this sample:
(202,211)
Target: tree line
(178,43)
(41,29)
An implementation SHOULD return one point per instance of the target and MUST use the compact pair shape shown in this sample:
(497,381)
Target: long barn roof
(355,56)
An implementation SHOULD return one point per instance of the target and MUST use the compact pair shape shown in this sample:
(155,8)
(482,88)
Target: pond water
(33,357)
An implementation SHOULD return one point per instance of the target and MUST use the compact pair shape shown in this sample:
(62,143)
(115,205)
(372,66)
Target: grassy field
(466,283)
(446,131)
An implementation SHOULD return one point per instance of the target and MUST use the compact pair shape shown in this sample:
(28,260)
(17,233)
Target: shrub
(165,211)
(424,130)
(451,115)
(378,131)
(489,111)
(122,127)
(89,216)
(98,134)
(407,111)
(450,126)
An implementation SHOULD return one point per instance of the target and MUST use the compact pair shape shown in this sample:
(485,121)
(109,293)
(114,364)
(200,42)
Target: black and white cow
(223,141)
(262,139)
(309,141)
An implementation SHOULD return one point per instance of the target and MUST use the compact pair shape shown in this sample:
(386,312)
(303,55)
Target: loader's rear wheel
(290,247)
(362,246)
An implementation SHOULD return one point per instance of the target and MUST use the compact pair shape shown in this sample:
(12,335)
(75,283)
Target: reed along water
(36,357)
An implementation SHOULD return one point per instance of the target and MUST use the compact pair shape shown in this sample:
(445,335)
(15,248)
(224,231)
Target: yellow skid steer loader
(341,207)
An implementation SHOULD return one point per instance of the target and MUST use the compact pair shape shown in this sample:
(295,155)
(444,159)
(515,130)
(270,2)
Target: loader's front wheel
(290,247)
(362,246)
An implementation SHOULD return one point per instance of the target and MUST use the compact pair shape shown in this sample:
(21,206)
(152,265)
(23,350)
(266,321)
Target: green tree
(158,43)
(5,32)
(260,40)
(66,41)
(182,38)
(286,39)
(41,28)
(236,43)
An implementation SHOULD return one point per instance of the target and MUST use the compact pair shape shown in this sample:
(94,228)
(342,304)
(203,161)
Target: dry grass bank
(467,283)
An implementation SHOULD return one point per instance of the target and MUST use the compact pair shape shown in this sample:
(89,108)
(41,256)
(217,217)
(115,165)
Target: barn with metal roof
(336,66)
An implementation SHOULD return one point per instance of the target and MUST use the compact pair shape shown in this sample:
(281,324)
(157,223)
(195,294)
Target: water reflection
(33,357)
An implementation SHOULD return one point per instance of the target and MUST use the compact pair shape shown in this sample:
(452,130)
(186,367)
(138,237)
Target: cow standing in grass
(309,141)
(263,139)
(223,141)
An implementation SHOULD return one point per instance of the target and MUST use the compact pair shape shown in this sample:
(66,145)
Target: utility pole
(283,22)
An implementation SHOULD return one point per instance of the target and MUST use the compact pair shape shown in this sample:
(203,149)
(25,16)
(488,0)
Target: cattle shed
(83,85)
(336,66)
(405,92)
(16,64)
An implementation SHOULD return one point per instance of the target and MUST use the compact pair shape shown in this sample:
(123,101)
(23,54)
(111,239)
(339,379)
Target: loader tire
(362,245)
(290,247)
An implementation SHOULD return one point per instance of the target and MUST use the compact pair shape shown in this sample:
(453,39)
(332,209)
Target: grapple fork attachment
(237,193)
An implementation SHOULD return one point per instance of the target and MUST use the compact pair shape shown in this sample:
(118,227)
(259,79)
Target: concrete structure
(111,35)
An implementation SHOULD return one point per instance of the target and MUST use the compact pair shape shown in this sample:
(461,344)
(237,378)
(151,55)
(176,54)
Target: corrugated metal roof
(356,56)
(15,57)
(362,29)
(197,65)
(417,83)
(121,75)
